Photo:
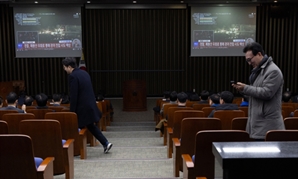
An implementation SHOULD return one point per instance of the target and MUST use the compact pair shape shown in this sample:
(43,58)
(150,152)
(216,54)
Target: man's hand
(239,86)
(24,108)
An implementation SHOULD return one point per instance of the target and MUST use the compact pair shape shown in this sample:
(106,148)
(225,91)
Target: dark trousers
(95,131)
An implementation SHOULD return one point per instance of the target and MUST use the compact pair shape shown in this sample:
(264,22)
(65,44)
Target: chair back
(3,127)
(39,113)
(287,110)
(282,135)
(295,113)
(179,116)
(245,110)
(2,112)
(171,114)
(198,106)
(226,117)
(69,127)
(13,120)
(190,127)
(204,158)
(190,103)
(239,123)
(57,108)
(65,110)
(207,110)
(47,140)
(166,108)
(17,158)
(291,123)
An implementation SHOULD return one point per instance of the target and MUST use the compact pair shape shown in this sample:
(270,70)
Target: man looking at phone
(265,93)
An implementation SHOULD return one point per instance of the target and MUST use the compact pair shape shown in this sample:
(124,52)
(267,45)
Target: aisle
(137,152)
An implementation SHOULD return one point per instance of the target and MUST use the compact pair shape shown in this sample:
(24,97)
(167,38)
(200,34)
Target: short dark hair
(215,98)
(227,96)
(1,100)
(286,96)
(57,97)
(254,47)
(173,96)
(41,99)
(204,94)
(69,61)
(28,100)
(167,94)
(182,97)
(11,97)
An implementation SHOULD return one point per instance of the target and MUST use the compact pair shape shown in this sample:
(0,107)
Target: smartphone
(233,82)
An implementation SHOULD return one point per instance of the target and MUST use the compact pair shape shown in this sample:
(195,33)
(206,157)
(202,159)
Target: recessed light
(88,2)
(36,2)
(134,2)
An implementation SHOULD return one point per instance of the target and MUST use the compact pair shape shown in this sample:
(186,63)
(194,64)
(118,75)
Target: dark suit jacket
(82,98)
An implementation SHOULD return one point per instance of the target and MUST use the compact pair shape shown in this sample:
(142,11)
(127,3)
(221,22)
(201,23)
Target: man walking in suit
(82,100)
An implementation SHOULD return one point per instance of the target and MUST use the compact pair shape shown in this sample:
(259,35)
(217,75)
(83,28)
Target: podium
(134,95)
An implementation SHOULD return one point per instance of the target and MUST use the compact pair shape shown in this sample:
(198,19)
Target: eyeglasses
(249,59)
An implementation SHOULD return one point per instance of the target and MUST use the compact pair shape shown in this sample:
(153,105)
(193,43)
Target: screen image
(48,31)
(221,31)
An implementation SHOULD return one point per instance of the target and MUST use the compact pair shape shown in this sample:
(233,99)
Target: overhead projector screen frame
(47,31)
(211,34)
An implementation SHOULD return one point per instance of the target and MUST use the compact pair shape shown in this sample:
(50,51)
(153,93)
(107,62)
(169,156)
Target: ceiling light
(134,2)
(182,1)
(36,2)
(88,2)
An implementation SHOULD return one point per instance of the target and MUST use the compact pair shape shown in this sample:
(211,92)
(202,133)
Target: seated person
(214,100)
(286,96)
(28,101)
(166,98)
(181,100)
(41,100)
(204,97)
(173,100)
(57,99)
(1,102)
(226,103)
(12,101)
(244,102)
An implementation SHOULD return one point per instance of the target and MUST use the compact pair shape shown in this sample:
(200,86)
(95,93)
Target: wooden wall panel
(152,45)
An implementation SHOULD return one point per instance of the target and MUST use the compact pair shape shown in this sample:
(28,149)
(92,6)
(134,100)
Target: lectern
(134,95)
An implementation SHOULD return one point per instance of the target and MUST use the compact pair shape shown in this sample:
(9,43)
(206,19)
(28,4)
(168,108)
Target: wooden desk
(266,160)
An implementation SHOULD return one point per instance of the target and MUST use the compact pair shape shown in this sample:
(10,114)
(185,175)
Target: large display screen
(47,31)
(221,30)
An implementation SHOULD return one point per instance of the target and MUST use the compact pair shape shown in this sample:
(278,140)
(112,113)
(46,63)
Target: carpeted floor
(137,152)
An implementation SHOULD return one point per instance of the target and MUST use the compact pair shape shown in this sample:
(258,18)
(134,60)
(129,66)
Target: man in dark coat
(82,100)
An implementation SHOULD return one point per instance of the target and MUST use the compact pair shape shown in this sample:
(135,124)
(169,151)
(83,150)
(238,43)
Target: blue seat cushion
(37,161)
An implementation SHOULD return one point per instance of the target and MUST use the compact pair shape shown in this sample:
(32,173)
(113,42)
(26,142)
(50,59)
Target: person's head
(173,96)
(166,94)
(286,96)
(99,97)
(12,98)
(182,97)
(69,63)
(226,97)
(57,98)
(204,95)
(254,54)
(214,99)
(1,102)
(41,99)
(28,100)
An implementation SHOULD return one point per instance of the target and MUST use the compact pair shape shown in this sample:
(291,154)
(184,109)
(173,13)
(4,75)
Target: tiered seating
(13,120)
(291,123)
(226,117)
(203,164)
(18,162)
(282,135)
(239,123)
(2,112)
(207,110)
(70,130)
(174,130)
(39,113)
(3,127)
(47,141)
(186,144)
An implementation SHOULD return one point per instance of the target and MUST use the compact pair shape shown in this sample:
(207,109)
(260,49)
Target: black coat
(82,98)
